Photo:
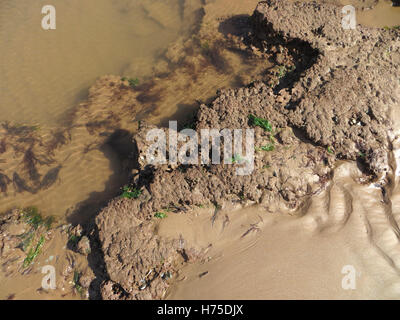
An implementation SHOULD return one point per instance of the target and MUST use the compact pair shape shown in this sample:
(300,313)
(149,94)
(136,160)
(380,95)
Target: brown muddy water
(45,74)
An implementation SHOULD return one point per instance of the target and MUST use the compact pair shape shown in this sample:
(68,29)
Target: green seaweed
(130,193)
(76,282)
(217,206)
(391,28)
(73,239)
(27,238)
(284,70)
(237,158)
(32,217)
(133,82)
(47,222)
(262,123)
(268,147)
(205,46)
(281,71)
(33,253)
(160,215)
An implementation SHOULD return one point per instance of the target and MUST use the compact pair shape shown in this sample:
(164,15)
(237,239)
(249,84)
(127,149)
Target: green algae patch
(34,252)
(259,122)
(32,217)
(160,215)
(130,193)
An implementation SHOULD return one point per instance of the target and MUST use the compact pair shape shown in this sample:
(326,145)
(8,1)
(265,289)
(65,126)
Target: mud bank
(332,100)
(328,94)
(342,100)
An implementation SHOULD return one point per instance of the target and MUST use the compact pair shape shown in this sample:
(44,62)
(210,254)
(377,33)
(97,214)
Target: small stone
(83,246)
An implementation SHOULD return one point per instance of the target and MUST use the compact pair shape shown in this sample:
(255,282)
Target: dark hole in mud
(146,177)
(304,56)
(365,168)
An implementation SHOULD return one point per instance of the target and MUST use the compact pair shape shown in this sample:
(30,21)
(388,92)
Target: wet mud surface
(328,94)
(333,104)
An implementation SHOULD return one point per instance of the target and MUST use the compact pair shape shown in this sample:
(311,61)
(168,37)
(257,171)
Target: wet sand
(303,256)
(20,282)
